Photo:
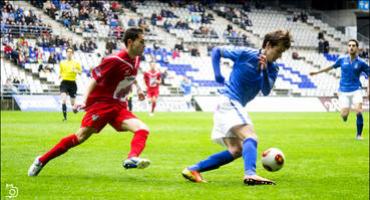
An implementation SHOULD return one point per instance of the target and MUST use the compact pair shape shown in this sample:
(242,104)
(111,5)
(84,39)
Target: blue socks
(359,123)
(249,156)
(213,162)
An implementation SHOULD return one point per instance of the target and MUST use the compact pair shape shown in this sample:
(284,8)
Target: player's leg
(154,103)
(345,104)
(63,97)
(138,142)
(357,100)
(234,149)
(63,146)
(249,153)
(72,93)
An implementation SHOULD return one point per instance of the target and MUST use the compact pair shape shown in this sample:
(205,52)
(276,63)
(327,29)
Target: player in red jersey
(152,80)
(105,103)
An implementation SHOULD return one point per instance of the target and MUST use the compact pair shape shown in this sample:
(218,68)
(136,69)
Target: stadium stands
(198,27)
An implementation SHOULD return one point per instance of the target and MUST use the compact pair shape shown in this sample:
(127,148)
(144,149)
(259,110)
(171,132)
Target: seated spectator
(175,54)
(296,56)
(180,46)
(153,19)
(23,87)
(9,88)
(143,25)
(194,52)
(131,22)
(167,25)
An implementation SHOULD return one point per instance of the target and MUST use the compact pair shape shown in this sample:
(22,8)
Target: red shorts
(153,92)
(100,114)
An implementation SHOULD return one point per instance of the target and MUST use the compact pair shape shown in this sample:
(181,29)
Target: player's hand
(78,107)
(312,73)
(220,79)
(262,62)
(141,96)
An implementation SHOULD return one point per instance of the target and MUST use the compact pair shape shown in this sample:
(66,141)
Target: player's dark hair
(353,40)
(278,37)
(132,33)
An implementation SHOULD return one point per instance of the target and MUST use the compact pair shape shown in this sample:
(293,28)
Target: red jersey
(151,79)
(114,76)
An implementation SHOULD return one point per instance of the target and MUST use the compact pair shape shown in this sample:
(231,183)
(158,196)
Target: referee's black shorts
(69,87)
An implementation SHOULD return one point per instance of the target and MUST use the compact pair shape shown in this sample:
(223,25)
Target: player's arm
(268,76)
(92,84)
(366,70)
(159,79)
(90,87)
(322,70)
(146,80)
(79,69)
(139,91)
(219,52)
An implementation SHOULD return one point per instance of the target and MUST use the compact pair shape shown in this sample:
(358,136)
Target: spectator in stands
(323,44)
(167,25)
(304,17)
(175,54)
(181,24)
(109,46)
(295,56)
(23,87)
(153,19)
(143,25)
(364,53)
(194,52)
(164,75)
(8,88)
(180,46)
(52,59)
(7,50)
(131,22)
(16,81)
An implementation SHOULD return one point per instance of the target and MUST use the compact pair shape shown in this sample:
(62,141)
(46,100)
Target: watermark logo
(12,191)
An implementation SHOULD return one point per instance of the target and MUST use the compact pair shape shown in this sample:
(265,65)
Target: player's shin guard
(138,143)
(64,108)
(59,149)
(249,156)
(359,123)
(213,162)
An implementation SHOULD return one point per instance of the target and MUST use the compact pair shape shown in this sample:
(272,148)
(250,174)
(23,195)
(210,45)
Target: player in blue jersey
(350,86)
(254,70)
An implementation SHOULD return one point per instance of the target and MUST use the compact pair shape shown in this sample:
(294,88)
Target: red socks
(138,143)
(59,149)
(153,106)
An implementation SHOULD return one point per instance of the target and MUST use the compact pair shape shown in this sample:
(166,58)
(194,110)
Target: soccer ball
(273,159)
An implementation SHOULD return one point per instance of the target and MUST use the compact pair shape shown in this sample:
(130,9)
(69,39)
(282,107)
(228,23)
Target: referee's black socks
(64,108)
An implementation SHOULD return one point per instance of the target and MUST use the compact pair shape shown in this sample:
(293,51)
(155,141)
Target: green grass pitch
(323,159)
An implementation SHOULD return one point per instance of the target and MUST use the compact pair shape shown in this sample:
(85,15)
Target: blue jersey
(350,72)
(246,79)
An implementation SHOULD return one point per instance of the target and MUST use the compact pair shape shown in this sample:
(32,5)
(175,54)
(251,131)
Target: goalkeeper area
(323,159)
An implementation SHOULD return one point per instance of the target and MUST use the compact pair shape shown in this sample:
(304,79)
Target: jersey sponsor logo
(124,87)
